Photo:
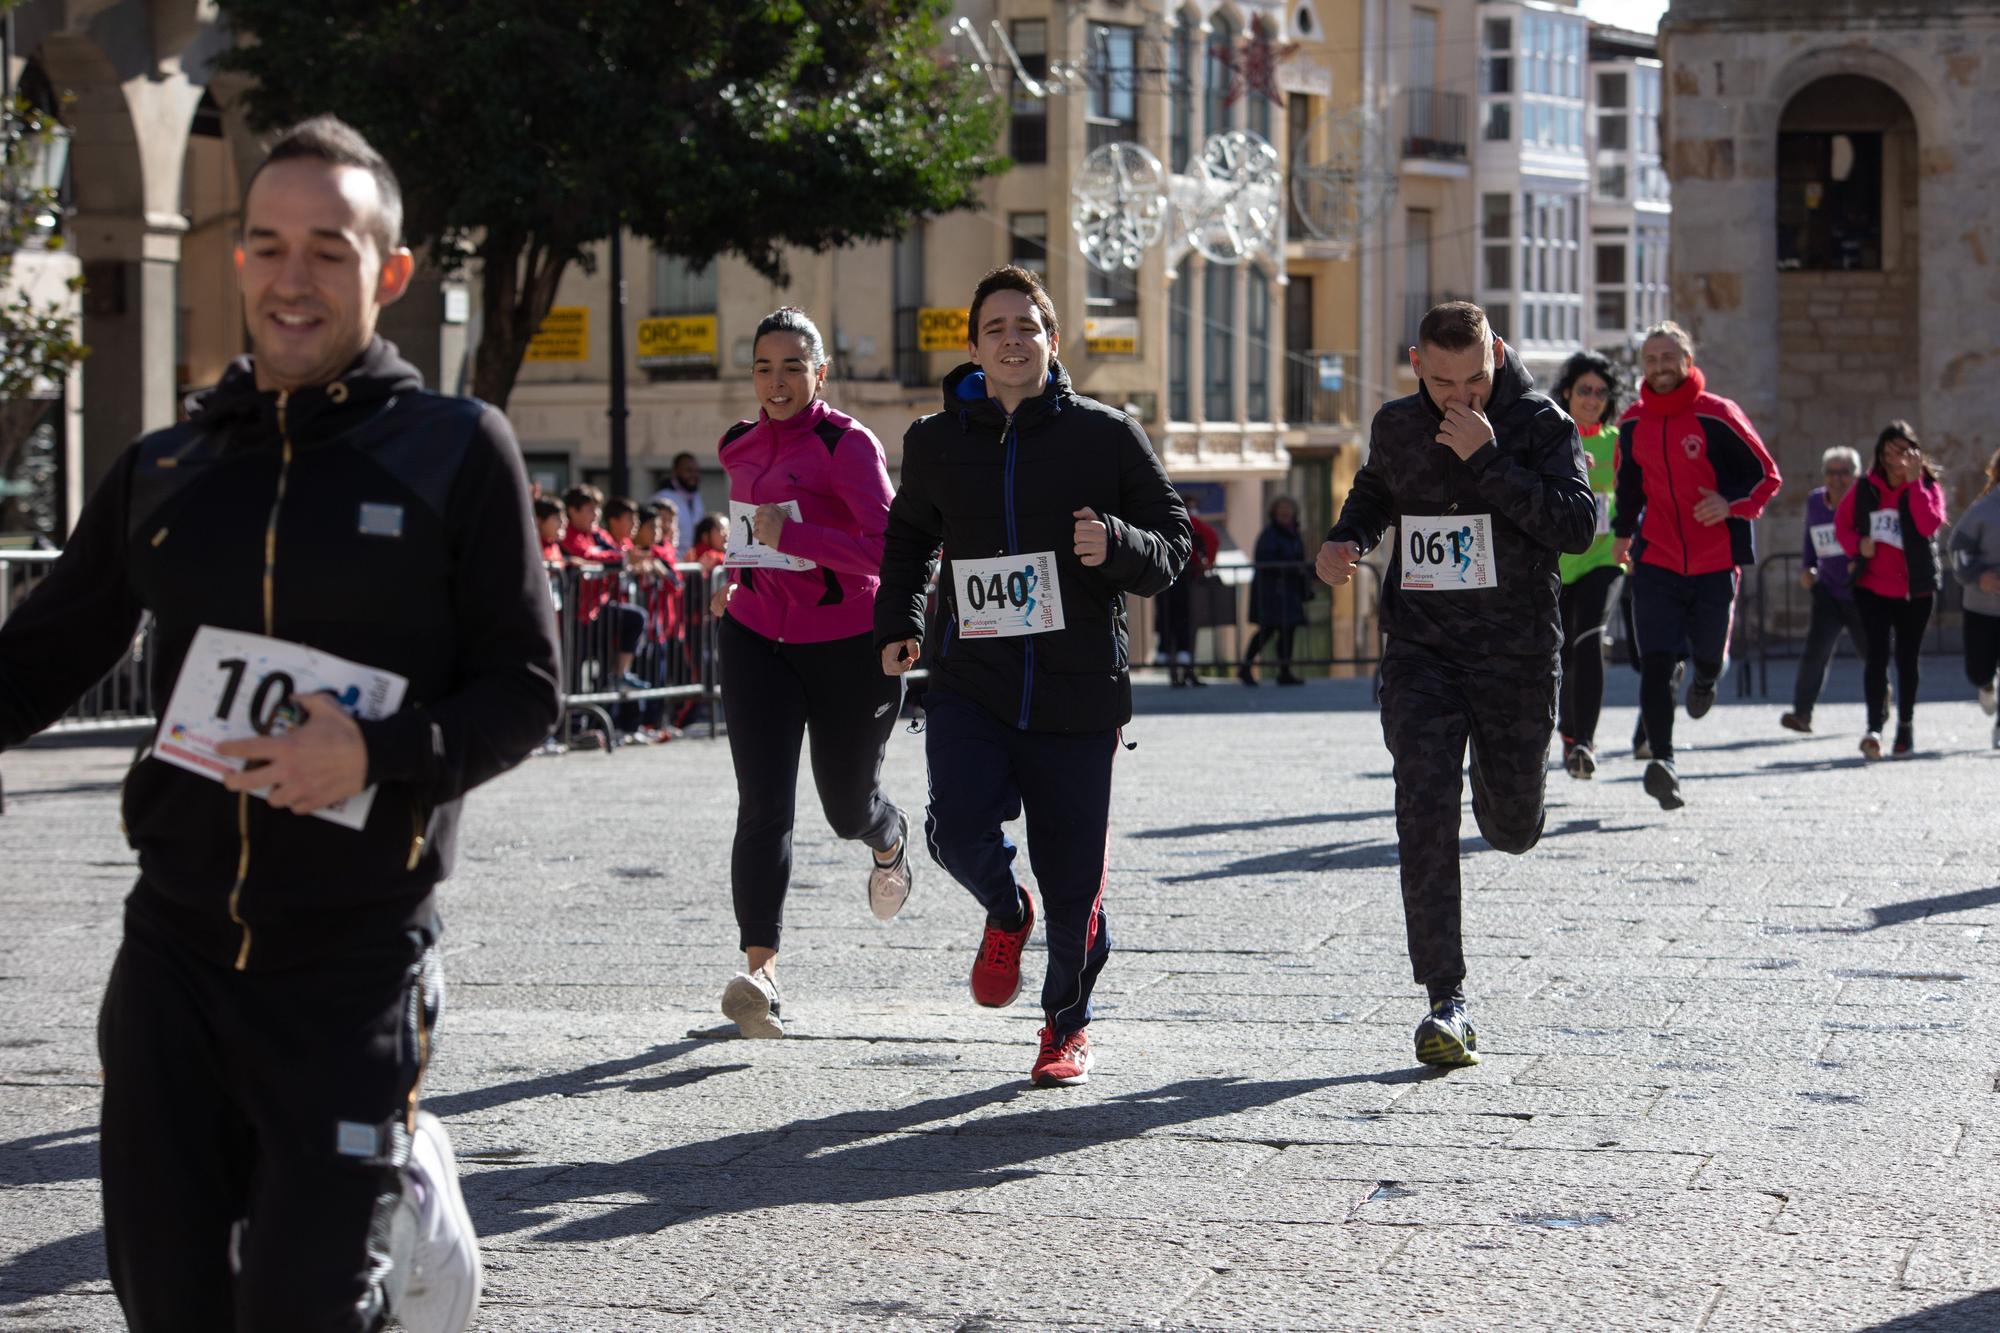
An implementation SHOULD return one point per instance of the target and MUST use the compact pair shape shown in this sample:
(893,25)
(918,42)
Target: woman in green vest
(1588,391)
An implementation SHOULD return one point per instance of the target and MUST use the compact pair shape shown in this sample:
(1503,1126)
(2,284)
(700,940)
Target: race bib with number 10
(235,685)
(1007,596)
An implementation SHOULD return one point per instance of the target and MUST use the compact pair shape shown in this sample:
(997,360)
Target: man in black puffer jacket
(1048,508)
(1485,482)
(268,1018)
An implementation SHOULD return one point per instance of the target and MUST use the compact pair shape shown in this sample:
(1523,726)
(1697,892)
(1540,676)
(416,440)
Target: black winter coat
(1278,588)
(398,535)
(975,485)
(1531,478)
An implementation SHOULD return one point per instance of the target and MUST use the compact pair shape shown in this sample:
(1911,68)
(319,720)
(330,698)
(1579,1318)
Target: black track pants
(1902,619)
(774,696)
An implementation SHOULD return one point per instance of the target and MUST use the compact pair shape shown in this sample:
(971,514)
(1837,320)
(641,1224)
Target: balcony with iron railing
(1434,124)
(1322,389)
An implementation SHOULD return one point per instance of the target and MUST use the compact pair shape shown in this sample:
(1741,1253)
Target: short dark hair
(1590,363)
(791,319)
(665,508)
(1454,326)
(546,508)
(710,523)
(1012,278)
(618,507)
(331,140)
(576,497)
(684,454)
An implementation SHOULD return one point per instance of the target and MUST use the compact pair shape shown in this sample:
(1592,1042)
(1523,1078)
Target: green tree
(38,344)
(523,131)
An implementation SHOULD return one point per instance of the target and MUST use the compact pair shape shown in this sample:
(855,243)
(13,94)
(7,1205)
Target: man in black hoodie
(1485,481)
(268,1018)
(1048,507)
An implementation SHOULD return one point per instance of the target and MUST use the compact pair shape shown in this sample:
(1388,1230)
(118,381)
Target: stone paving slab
(1739,1069)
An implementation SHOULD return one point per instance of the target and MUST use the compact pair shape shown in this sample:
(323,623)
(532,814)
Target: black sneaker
(1701,697)
(1906,742)
(1663,784)
(1445,1037)
(1800,722)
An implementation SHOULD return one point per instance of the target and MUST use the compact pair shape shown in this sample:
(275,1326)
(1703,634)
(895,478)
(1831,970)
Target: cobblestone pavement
(1739,1070)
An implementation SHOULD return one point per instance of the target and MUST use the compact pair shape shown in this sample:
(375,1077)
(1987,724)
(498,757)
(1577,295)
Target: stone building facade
(1836,222)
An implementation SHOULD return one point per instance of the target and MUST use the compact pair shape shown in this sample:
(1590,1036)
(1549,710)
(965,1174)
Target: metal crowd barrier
(123,698)
(1775,618)
(674,659)
(1342,629)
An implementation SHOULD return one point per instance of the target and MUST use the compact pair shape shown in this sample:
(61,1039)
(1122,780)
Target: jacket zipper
(1014,548)
(270,630)
(1673,492)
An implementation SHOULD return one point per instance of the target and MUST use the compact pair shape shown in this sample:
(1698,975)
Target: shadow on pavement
(804,1162)
(607,1076)
(1244,826)
(51,1269)
(1974,1314)
(1919,908)
(1367,854)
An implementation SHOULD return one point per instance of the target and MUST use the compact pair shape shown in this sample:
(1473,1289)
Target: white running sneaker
(1989,699)
(441,1291)
(750,1001)
(889,885)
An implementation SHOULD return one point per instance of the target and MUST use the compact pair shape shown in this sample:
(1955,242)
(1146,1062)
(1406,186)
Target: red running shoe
(996,972)
(1064,1062)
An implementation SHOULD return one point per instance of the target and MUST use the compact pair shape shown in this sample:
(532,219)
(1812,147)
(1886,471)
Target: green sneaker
(1445,1037)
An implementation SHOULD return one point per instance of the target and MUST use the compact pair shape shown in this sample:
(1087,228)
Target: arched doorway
(211,307)
(1849,261)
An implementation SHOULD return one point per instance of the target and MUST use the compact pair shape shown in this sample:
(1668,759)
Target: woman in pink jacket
(808,504)
(1888,525)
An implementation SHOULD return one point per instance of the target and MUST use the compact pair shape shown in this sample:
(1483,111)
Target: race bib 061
(234,686)
(1007,596)
(1448,553)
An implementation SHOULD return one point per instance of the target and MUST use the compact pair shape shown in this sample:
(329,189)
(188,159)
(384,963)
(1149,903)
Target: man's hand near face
(1465,430)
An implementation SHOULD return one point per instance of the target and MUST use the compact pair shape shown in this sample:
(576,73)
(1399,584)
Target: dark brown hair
(1012,278)
(333,141)
(1899,429)
(1454,326)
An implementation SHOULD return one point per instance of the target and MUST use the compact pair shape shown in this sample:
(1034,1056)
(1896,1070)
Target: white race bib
(1886,527)
(1603,514)
(1007,596)
(1826,542)
(235,685)
(1448,553)
(743,551)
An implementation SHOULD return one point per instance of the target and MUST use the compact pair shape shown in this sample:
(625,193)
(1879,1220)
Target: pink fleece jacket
(836,470)
(1888,574)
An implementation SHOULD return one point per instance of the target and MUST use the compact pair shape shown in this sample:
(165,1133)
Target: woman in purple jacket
(808,505)
(1825,573)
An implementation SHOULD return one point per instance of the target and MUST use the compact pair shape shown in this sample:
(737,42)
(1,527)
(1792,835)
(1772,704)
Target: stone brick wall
(1847,365)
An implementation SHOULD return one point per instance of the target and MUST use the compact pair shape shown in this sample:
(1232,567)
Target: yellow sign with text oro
(1111,335)
(941,329)
(564,335)
(677,340)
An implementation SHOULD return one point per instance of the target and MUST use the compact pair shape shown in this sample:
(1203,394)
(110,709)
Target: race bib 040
(1007,596)
(1448,553)
(1886,527)
(1826,542)
(235,685)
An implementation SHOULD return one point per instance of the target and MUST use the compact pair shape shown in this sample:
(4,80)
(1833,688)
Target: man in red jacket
(1692,478)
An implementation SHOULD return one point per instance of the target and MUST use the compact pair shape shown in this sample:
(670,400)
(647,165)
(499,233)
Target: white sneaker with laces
(441,1291)
(750,1001)
(889,885)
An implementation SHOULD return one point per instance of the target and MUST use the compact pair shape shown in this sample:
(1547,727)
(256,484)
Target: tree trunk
(518,280)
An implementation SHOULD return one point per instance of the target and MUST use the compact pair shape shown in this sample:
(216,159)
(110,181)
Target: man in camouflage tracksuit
(1485,482)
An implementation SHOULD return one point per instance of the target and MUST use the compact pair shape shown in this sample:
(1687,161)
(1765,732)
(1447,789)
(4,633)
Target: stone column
(131,301)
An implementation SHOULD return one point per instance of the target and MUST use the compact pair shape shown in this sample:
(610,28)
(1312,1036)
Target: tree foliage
(523,131)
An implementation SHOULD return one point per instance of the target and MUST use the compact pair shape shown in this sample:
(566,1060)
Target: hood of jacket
(966,395)
(313,415)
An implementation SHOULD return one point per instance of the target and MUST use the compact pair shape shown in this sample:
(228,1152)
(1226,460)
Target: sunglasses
(1840,472)
(1580,391)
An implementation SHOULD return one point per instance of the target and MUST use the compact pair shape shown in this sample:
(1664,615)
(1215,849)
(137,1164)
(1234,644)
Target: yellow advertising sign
(1111,335)
(941,330)
(677,340)
(563,336)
